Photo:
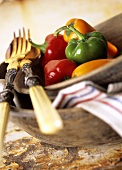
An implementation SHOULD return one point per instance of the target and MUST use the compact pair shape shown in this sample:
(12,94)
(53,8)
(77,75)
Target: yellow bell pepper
(89,66)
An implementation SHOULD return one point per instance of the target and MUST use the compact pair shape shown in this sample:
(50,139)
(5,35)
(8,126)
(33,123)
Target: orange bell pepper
(89,66)
(83,27)
(112,50)
(79,24)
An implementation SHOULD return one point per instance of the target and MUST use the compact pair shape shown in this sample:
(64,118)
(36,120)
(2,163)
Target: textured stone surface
(23,152)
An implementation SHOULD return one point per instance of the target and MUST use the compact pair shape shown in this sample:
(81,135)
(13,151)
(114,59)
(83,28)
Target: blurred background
(44,16)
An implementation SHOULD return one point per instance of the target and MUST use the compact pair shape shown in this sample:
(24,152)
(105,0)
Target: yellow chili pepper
(89,66)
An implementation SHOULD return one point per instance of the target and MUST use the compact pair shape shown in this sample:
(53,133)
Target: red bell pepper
(53,48)
(56,71)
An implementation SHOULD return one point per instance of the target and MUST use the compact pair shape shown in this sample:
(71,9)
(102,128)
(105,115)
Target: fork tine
(28,43)
(24,41)
(19,43)
(14,46)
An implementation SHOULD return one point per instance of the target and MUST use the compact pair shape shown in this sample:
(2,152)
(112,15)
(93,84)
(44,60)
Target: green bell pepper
(87,47)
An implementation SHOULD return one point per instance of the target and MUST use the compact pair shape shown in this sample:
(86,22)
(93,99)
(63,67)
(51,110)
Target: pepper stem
(71,28)
(42,47)
(79,35)
(59,30)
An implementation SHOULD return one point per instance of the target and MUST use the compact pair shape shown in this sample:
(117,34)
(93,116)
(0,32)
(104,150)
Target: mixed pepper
(63,54)
(86,47)
(83,27)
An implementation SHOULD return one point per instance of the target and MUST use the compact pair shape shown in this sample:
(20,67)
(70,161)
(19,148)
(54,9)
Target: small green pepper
(87,47)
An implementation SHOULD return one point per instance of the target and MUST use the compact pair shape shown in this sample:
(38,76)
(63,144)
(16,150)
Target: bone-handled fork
(48,119)
(18,52)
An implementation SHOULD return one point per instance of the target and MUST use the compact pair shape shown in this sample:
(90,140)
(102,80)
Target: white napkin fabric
(85,95)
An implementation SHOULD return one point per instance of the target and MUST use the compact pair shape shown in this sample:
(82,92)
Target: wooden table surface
(22,151)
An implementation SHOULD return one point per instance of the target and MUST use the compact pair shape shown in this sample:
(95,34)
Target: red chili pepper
(56,71)
(53,48)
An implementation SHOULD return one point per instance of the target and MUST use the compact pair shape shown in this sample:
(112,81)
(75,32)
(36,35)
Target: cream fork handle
(48,118)
(4,114)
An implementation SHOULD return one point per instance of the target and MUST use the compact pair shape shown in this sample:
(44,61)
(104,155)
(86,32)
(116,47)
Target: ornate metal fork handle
(30,78)
(7,94)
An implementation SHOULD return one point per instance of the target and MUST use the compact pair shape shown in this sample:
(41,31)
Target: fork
(19,51)
(48,119)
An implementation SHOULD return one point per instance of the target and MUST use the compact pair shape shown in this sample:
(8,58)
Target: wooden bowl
(80,127)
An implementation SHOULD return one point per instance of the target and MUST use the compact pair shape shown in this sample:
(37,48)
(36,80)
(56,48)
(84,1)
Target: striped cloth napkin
(92,98)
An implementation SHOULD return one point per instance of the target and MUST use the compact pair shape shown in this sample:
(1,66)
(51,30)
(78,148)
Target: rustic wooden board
(80,128)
